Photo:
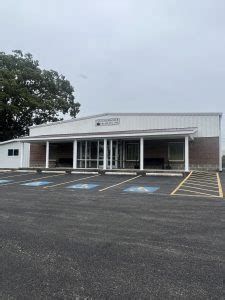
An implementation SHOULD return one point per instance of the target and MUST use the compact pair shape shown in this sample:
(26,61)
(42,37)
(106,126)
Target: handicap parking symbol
(142,189)
(83,186)
(2,181)
(37,183)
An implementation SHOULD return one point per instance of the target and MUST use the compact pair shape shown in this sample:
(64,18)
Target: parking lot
(91,236)
(94,183)
(203,184)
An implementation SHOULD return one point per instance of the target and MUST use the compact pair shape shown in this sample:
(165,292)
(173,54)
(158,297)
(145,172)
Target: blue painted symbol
(83,186)
(37,183)
(2,181)
(142,189)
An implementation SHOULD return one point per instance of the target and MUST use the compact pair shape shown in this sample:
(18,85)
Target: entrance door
(90,154)
(112,154)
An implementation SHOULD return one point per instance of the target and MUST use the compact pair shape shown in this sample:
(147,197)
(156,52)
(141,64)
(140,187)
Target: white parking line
(120,183)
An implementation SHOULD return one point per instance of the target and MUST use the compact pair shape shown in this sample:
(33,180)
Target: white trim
(85,155)
(74,154)
(186,154)
(141,153)
(11,141)
(21,153)
(105,155)
(147,135)
(47,155)
(220,145)
(111,154)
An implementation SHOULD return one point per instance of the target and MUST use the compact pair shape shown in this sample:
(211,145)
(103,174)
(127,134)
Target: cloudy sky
(126,55)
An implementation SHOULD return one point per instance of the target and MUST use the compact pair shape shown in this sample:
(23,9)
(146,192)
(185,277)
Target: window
(176,151)
(13,152)
(16,152)
(10,152)
(132,151)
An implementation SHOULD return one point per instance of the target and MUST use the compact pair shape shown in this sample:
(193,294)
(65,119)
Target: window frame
(12,152)
(183,154)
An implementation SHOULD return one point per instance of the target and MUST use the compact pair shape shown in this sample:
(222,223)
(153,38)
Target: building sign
(107,122)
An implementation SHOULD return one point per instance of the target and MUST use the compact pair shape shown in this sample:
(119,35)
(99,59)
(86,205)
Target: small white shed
(12,156)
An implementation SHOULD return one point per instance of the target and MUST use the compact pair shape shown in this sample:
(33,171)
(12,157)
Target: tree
(31,96)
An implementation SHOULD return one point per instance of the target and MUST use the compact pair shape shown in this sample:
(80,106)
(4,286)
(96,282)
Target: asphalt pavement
(59,242)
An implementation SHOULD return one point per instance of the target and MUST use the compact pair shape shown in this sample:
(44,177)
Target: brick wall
(204,153)
(37,155)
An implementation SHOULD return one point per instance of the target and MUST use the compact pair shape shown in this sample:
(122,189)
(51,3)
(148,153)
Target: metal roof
(129,114)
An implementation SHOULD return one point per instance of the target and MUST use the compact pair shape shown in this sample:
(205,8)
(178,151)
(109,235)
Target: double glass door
(90,154)
(114,154)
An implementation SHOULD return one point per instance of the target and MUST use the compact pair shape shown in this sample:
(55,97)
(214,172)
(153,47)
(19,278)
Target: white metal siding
(14,161)
(208,125)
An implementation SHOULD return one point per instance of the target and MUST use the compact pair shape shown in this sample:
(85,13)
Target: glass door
(112,154)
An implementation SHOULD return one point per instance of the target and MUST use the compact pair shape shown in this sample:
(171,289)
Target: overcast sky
(126,55)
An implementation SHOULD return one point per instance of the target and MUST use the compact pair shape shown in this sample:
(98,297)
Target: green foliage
(31,96)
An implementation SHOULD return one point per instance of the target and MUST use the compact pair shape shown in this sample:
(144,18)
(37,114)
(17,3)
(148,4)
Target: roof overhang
(157,133)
